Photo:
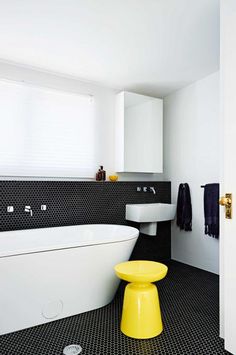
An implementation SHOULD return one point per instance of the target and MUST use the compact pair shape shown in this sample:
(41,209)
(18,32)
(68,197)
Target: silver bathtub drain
(73,349)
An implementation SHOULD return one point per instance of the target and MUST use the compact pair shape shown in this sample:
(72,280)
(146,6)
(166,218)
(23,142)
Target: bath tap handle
(10,209)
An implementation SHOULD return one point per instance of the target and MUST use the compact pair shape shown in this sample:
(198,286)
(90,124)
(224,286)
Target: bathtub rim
(65,245)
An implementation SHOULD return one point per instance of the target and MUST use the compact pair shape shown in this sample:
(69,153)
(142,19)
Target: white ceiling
(147,46)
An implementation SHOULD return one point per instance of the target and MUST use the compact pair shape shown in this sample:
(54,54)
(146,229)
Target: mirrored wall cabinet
(138,133)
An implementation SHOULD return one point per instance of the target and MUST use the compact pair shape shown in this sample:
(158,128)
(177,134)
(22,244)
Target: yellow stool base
(141,316)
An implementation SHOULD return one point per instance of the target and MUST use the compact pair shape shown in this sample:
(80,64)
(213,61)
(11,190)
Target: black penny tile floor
(190,310)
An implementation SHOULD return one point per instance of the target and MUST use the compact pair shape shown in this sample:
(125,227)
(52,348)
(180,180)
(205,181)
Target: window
(46,132)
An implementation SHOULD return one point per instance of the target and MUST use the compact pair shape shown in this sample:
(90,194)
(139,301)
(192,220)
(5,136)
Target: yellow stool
(141,315)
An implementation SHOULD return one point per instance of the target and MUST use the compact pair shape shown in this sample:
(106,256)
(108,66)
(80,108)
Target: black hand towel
(211,210)
(184,208)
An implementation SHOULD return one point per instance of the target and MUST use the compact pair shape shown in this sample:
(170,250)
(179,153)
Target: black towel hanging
(211,209)
(184,208)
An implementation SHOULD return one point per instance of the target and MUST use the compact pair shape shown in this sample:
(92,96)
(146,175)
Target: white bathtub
(52,273)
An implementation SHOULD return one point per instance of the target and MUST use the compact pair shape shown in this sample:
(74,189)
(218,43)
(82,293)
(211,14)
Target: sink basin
(148,214)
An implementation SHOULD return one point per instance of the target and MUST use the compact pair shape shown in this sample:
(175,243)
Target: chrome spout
(29,210)
(152,189)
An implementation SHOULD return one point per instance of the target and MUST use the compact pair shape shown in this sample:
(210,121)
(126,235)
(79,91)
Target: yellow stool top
(141,271)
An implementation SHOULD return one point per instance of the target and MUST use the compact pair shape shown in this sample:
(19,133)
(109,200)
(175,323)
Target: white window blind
(45,132)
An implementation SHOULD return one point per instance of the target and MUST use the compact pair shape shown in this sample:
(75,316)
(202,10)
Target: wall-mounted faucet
(29,210)
(146,189)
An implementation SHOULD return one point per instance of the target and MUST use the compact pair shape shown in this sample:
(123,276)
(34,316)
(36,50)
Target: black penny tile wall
(83,202)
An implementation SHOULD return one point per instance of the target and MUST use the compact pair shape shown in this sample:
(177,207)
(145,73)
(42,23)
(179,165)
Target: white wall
(192,155)
(104,101)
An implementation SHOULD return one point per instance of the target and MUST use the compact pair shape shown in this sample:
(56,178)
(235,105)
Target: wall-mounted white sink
(148,214)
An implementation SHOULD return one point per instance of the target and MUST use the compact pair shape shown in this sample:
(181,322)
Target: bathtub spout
(29,210)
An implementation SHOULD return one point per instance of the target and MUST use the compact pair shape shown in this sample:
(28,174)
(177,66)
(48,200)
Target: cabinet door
(139,133)
(143,137)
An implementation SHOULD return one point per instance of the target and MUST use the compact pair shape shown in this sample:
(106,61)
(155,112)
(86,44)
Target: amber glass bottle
(103,173)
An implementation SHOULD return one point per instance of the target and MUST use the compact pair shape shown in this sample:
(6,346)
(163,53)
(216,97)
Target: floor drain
(72,350)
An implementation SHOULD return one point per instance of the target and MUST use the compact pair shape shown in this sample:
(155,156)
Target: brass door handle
(227,202)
